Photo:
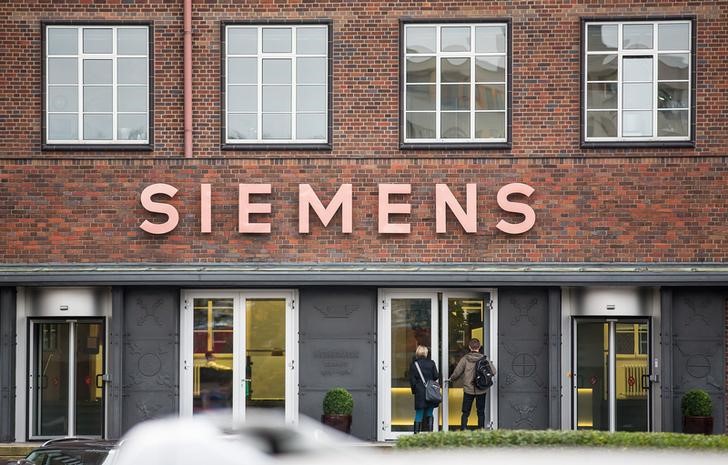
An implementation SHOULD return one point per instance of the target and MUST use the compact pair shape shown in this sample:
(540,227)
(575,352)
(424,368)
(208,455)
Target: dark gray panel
(150,366)
(666,312)
(7,363)
(115,351)
(555,358)
(523,358)
(698,349)
(337,347)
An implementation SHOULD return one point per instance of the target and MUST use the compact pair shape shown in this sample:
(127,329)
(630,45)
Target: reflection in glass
(311,70)
(96,40)
(672,95)
(601,124)
(455,70)
(276,71)
(213,354)
(411,326)
(632,369)
(455,39)
(420,69)
(242,71)
(131,126)
(601,68)
(276,126)
(63,98)
(51,383)
(98,72)
(637,123)
(242,41)
(420,97)
(420,39)
(673,123)
(421,125)
(673,67)
(62,40)
(62,71)
(265,348)
(242,126)
(592,376)
(242,98)
(131,70)
(455,125)
(277,98)
(277,40)
(491,125)
(637,36)
(455,97)
(637,69)
(311,126)
(601,96)
(132,99)
(673,36)
(637,96)
(490,69)
(311,40)
(311,98)
(97,127)
(490,39)
(131,41)
(89,369)
(490,97)
(602,37)
(63,126)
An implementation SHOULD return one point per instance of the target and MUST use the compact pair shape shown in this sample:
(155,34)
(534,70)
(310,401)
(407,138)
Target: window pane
(673,95)
(673,123)
(601,95)
(490,39)
(455,125)
(242,71)
(62,41)
(601,37)
(490,69)
(97,41)
(276,98)
(455,39)
(311,98)
(420,125)
(132,40)
(276,126)
(420,39)
(131,70)
(637,69)
(673,36)
(97,71)
(637,123)
(455,70)
(455,97)
(601,68)
(242,41)
(64,98)
(62,71)
(277,71)
(673,67)
(311,70)
(98,99)
(490,97)
(242,98)
(311,40)
(635,36)
(637,96)
(132,99)
(131,127)
(601,124)
(63,127)
(311,126)
(276,40)
(242,127)
(490,125)
(97,127)
(420,69)
(420,97)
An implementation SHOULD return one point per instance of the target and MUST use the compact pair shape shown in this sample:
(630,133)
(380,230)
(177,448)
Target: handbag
(432,388)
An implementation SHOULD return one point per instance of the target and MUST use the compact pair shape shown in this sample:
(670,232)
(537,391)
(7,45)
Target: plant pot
(697,425)
(339,422)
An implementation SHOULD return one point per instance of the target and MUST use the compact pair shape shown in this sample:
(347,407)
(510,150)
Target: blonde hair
(422,351)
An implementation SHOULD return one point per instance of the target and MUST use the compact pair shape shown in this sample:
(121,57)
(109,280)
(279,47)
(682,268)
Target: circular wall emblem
(698,366)
(149,364)
(524,365)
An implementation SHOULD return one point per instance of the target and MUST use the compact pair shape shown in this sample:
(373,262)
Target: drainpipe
(188,76)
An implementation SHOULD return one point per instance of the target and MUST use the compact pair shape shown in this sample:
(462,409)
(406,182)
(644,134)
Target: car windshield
(69,457)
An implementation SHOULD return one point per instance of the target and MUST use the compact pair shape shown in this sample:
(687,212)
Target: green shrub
(697,403)
(510,438)
(338,401)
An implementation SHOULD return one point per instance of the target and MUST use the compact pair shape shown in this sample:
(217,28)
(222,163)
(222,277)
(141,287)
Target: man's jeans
(479,407)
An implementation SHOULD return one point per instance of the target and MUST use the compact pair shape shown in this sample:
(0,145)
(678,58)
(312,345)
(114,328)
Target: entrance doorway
(239,351)
(445,322)
(611,374)
(66,378)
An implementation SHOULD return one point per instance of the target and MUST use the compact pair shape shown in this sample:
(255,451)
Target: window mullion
(294,80)
(260,85)
(114,86)
(79,83)
(655,79)
(438,114)
(620,81)
(472,83)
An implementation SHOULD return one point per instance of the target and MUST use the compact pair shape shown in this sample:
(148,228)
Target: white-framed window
(637,79)
(455,83)
(277,84)
(96,84)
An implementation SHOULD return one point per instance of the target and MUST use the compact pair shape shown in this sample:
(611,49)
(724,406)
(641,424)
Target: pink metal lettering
(516,207)
(157,207)
(386,208)
(246,208)
(308,198)
(205,208)
(444,199)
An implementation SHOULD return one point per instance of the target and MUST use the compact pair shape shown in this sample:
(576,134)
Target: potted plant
(338,405)
(697,409)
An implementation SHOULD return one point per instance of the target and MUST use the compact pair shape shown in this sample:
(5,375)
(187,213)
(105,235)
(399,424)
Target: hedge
(508,438)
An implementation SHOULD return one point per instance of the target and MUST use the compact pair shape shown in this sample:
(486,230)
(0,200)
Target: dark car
(72,451)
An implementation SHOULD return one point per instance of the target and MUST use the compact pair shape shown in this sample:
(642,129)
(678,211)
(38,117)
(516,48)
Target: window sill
(274,147)
(638,144)
(454,146)
(98,147)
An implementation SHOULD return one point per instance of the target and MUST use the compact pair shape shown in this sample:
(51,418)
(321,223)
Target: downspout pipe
(188,77)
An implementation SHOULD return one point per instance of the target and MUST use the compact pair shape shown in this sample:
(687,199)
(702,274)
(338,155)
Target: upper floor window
(277,84)
(638,81)
(96,85)
(455,83)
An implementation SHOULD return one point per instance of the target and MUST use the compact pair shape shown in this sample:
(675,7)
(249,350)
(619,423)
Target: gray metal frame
(7,363)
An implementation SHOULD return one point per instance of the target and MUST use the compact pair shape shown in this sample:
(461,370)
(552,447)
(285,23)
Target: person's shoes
(418,427)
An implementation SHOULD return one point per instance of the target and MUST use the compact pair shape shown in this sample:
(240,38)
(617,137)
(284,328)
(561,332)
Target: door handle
(43,382)
(645,386)
(100,378)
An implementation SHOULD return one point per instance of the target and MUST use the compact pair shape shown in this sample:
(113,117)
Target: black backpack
(483,374)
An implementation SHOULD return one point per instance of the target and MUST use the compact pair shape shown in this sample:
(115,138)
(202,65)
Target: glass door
(66,378)
(407,319)
(464,316)
(238,352)
(611,376)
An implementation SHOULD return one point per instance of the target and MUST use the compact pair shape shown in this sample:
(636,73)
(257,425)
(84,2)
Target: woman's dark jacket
(429,371)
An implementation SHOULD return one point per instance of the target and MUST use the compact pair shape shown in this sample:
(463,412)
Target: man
(466,369)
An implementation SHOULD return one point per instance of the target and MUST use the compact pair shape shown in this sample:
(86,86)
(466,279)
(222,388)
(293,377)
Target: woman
(423,409)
